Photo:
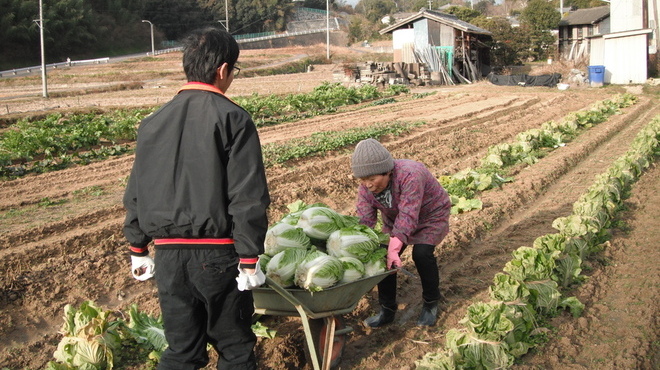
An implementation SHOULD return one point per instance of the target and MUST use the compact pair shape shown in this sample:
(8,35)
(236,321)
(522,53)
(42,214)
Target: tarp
(525,80)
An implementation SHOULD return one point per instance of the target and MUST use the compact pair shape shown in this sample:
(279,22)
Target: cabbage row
(59,141)
(495,333)
(314,247)
(273,109)
(528,147)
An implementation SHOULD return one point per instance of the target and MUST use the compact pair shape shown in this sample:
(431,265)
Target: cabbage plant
(90,338)
(148,331)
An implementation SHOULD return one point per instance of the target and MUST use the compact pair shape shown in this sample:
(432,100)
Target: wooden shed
(446,44)
(577,29)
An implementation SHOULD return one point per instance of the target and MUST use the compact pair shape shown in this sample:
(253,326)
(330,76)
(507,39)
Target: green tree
(542,44)
(355,30)
(375,10)
(69,27)
(19,34)
(463,13)
(176,18)
(483,6)
(16,23)
(416,5)
(583,4)
(119,26)
(538,19)
(317,4)
(540,15)
(260,16)
(509,45)
(360,29)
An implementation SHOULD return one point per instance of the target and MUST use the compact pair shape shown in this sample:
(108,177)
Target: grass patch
(90,191)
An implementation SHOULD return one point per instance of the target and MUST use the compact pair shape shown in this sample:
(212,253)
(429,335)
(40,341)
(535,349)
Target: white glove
(142,267)
(248,281)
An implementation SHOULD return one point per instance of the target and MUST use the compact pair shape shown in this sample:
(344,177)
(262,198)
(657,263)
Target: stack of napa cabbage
(314,247)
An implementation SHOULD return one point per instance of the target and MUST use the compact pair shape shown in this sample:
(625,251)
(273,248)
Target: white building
(629,51)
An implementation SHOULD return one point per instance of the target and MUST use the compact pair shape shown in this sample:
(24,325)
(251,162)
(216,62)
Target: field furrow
(71,248)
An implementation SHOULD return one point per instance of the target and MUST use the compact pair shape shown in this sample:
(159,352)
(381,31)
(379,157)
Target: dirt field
(73,250)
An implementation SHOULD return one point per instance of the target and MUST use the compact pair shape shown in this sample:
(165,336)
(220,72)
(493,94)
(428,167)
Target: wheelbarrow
(320,313)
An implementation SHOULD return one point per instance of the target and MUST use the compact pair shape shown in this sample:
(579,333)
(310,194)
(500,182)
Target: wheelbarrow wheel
(318,329)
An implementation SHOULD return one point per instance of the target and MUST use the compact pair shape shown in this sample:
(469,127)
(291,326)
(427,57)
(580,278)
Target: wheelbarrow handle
(304,313)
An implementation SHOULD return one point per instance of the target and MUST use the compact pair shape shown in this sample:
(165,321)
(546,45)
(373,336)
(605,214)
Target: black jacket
(198,173)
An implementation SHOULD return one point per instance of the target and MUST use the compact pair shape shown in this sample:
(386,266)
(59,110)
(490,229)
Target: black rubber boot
(429,314)
(384,317)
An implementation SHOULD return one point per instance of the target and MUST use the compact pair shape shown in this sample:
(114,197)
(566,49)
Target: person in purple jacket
(415,211)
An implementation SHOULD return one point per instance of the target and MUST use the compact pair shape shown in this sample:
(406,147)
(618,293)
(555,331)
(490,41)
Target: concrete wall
(627,15)
(338,38)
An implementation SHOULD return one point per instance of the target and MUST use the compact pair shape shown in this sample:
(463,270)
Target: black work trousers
(427,267)
(201,304)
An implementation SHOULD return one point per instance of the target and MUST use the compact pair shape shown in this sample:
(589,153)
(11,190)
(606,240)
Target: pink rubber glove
(393,250)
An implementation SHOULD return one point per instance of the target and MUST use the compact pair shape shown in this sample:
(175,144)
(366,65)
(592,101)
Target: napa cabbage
(282,267)
(481,345)
(507,289)
(296,209)
(359,241)
(263,262)
(148,331)
(319,222)
(319,271)
(377,263)
(353,269)
(90,338)
(282,235)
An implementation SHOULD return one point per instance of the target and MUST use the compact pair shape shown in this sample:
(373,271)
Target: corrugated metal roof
(586,16)
(448,19)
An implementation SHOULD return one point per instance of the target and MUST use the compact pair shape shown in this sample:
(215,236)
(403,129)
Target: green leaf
(574,305)
(263,331)
(147,329)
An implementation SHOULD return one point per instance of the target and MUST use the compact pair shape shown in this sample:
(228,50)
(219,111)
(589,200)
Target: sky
(351,2)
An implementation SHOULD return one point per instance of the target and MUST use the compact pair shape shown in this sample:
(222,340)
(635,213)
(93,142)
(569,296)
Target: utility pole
(225,22)
(153,51)
(327,28)
(226,16)
(43,54)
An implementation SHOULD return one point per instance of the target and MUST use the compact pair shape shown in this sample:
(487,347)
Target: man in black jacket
(198,191)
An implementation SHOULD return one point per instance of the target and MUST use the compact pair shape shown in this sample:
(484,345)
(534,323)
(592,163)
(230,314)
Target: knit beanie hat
(371,158)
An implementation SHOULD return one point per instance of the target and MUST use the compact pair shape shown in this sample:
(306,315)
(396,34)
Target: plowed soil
(61,240)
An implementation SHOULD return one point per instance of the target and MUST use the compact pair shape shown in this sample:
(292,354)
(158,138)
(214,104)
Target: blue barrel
(596,75)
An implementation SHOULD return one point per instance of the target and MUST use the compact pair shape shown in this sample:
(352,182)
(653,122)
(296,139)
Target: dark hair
(205,50)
